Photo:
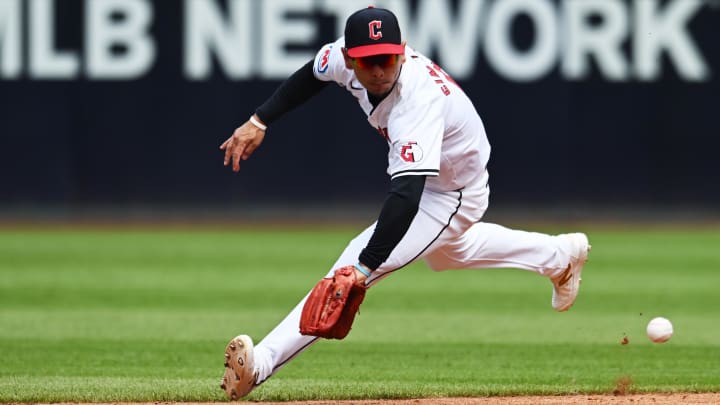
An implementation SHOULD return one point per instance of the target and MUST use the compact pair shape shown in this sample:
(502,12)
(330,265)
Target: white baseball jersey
(431,126)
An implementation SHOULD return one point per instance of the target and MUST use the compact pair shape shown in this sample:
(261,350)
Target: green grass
(144,315)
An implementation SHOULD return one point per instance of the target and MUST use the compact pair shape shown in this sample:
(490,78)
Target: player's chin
(379,89)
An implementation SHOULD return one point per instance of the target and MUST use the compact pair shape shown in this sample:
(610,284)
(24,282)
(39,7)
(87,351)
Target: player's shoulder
(329,61)
(416,78)
(415,59)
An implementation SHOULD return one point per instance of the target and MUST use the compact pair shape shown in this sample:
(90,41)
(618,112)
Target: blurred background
(116,108)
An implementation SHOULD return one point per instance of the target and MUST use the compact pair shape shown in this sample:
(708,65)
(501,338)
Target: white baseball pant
(447,234)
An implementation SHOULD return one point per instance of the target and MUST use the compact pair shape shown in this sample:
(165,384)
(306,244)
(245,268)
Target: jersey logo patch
(324,61)
(411,152)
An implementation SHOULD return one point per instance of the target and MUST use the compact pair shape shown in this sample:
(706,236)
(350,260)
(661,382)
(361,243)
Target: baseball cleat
(240,374)
(567,284)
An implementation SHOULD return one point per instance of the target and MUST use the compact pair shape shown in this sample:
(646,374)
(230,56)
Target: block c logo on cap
(374,27)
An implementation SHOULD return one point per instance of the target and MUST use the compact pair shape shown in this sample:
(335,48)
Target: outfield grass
(144,315)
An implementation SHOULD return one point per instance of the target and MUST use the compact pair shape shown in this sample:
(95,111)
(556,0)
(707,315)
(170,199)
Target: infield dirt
(635,399)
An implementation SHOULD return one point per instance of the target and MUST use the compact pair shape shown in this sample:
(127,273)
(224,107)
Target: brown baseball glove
(331,307)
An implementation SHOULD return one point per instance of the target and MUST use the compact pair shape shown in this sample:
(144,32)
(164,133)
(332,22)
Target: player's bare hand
(241,144)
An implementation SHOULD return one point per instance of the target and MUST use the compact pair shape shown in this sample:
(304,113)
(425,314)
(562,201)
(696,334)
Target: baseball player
(437,162)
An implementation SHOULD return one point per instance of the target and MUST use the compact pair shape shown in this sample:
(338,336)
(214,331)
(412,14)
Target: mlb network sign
(625,40)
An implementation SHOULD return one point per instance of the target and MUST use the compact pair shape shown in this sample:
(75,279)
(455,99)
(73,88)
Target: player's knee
(438,264)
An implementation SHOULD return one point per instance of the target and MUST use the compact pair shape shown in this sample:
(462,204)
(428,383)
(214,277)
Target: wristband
(257,123)
(360,268)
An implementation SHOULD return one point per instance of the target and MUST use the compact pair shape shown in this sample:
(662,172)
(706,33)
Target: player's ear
(348,60)
(402,56)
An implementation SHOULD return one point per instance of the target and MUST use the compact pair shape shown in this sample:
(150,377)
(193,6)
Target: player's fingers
(225,144)
(228,147)
(236,154)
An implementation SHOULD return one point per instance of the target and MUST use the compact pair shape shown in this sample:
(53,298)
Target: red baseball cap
(372,31)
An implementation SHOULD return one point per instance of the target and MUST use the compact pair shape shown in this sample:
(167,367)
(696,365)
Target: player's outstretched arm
(242,143)
(297,89)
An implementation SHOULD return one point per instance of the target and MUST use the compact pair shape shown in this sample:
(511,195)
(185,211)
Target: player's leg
(475,244)
(429,226)
(248,365)
(285,342)
(485,245)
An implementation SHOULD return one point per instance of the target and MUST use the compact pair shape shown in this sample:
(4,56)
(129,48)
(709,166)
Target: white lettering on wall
(208,33)
(10,38)
(45,61)
(603,41)
(615,40)
(129,31)
(436,28)
(278,31)
(500,50)
(657,31)
(347,7)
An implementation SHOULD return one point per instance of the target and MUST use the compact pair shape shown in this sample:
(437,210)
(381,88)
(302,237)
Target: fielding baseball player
(437,158)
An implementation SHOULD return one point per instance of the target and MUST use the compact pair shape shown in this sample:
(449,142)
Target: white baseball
(659,330)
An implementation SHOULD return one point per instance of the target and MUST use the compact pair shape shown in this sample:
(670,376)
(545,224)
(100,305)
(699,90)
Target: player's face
(377,73)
